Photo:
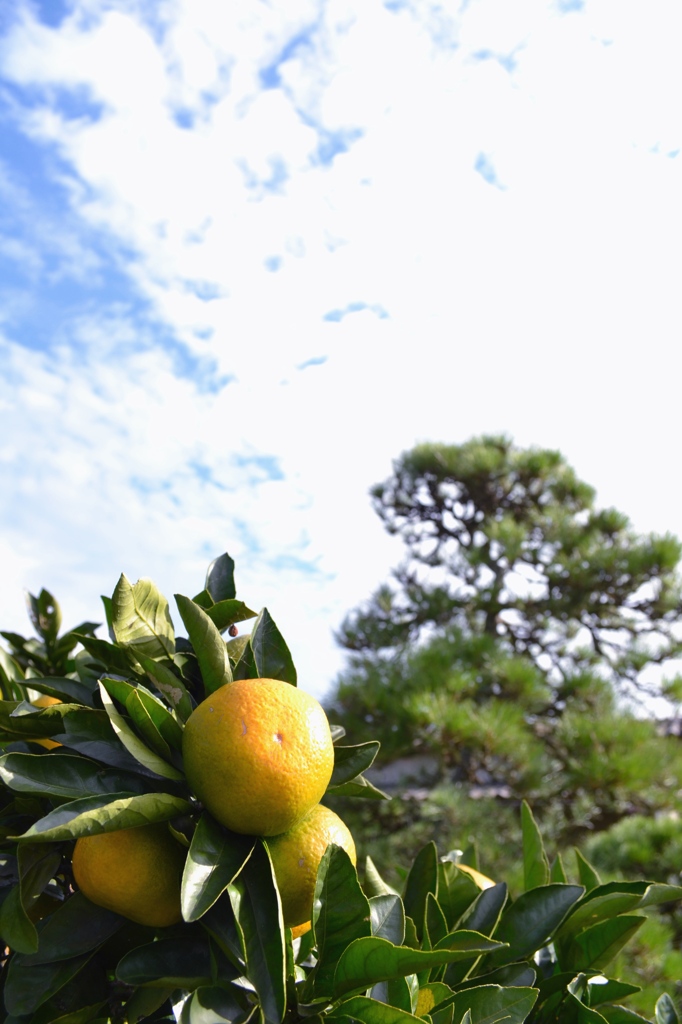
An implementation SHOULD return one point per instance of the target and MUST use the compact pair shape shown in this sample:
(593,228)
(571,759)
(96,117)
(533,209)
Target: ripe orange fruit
(296,856)
(258,753)
(45,701)
(135,872)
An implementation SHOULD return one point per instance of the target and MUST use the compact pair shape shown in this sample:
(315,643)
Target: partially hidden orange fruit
(45,701)
(135,872)
(258,753)
(296,856)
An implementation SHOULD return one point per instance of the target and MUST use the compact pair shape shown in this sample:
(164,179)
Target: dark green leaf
(422,880)
(609,991)
(270,652)
(535,865)
(531,920)
(573,1011)
(65,775)
(387,918)
(225,613)
(221,925)
(92,815)
(90,733)
(36,866)
(436,925)
(367,961)
(165,725)
(208,645)
(220,578)
(216,1004)
(350,762)
(518,975)
(115,659)
(77,927)
(144,1001)
(130,740)
(141,620)
(665,1010)
(457,891)
(181,961)
(399,992)
(70,691)
(431,995)
(341,913)
(203,599)
(595,947)
(26,988)
(215,858)
(147,728)
(45,615)
(258,911)
(484,913)
(586,873)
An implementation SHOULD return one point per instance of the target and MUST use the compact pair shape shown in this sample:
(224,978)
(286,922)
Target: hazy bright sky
(251,251)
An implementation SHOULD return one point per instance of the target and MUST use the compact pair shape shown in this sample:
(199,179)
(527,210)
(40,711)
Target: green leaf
(350,762)
(220,579)
(36,866)
(484,913)
(141,620)
(573,1011)
(215,858)
(608,990)
(371,1011)
(359,787)
(341,913)
(115,659)
(258,911)
(216,1004)
(535,864)
(75,928)
(129,738)
(435,923)
(168,683)
(621,1015)
(557,872)
(399,992)
(209,646)
(65,775)
(518,975)
(367,961)
(422,880)
(91,815)
(530,921)
(143,720)
(387,917)
(90,733)
(665,1010)
(132,695)
(181,961)
(45,614)
(270,652)
(586,873)
(595,947)
(374,883)
(488,1004)
(457,891)
(144,1001)
(222,926)
(432,995)
(225,613)
(70,691)
(27,988)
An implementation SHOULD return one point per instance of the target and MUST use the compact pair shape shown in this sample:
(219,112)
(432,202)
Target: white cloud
(545,307)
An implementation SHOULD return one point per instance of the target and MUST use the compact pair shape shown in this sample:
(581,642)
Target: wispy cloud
(271,190)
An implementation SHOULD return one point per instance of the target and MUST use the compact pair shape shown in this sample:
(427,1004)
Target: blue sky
(249,254)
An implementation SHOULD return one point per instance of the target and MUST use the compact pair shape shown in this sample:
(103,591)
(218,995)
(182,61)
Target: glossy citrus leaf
(215,858)
(92,815)
(341,913)
(271,655)
(141,620)
(208,644)
(422,880)
(535,864)
(387,917)
(352,761)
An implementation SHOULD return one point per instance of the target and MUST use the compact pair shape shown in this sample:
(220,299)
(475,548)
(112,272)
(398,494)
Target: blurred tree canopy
(507,640)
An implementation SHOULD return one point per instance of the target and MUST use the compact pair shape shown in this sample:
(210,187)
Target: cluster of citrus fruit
(258,754)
